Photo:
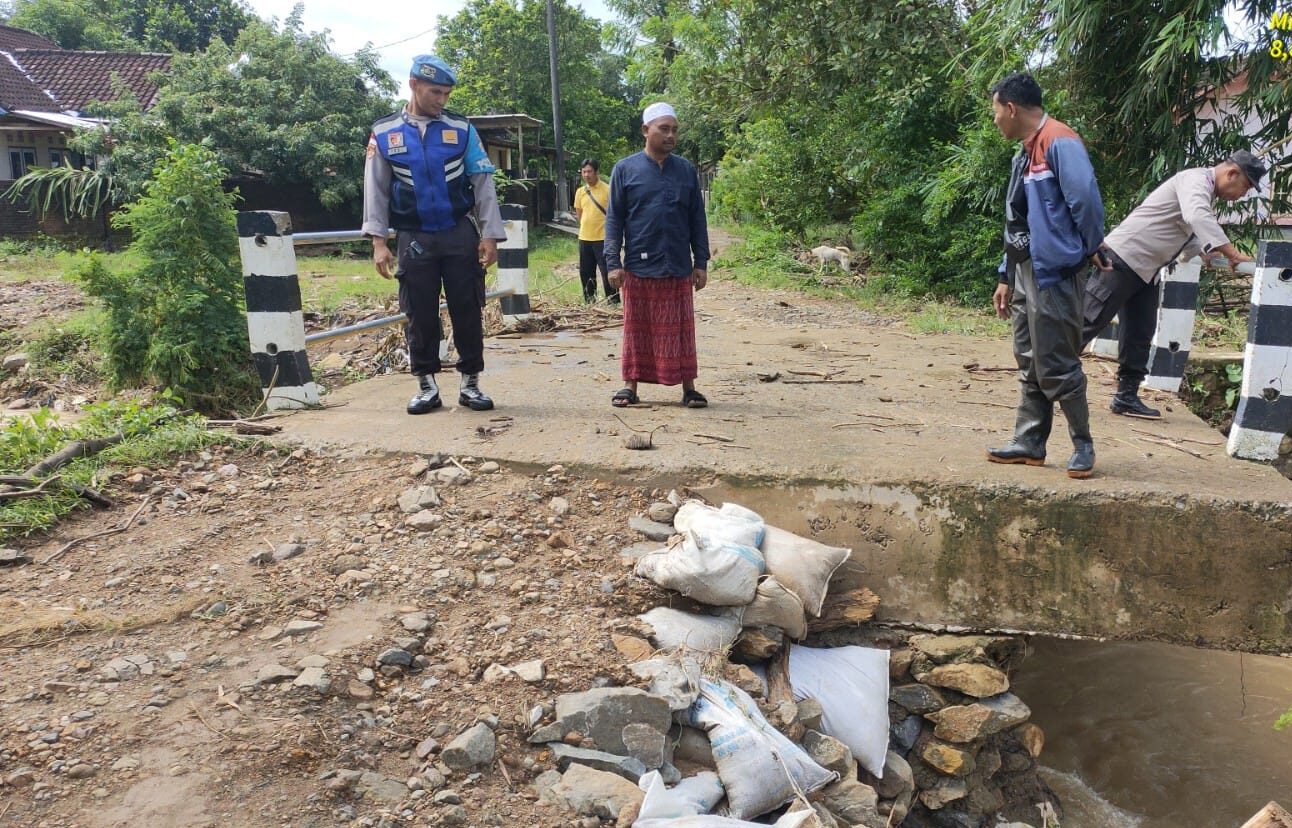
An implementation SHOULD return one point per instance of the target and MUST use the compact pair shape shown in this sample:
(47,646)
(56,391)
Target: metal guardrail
(385,321)
(332,237)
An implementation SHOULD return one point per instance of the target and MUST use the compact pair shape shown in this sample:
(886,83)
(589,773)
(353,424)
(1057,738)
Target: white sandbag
(710,633)
(755,761)
(731,523)
(708,569)
(851,684)
(803,566)
(776,606)
(693,796)
(794,820)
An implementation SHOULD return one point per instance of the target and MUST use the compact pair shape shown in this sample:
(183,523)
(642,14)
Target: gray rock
(450,476)
(588,792)
(14,363)
(692,745)
(853,803)
(313,661)
(621,720)
(454,815)
(13,557)
(630,554)
(828,752)
(426,747)
(978,680)
(414,500)
(653,530)
(432,779)
(381,788)
(126,763)
(287,551)
(313,678)
(944,793)
(669,774)
(82,771)
(917,698)
(971,722)
(395,657)
(662,512)
(299,626)
(120,669)
(810,713)
(530,672)
(905,732)
(261,558)
(559,506)
(490,467)
(343,779)
(898,780)
(472,749)
(625,766)
(423,521)
(447,798)
(416,622)
(274,673)
(545,782)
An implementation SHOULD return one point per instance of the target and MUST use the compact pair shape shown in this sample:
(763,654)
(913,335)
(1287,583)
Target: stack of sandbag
(729,558)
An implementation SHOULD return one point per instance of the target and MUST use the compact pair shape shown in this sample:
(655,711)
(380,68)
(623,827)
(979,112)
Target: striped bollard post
(1264,412)
(1105,344)
(513,264)
(1176,313)
(274,320)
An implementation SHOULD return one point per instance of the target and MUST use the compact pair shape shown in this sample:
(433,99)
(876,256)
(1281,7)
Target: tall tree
(149,25)
(500,51)
(277,101)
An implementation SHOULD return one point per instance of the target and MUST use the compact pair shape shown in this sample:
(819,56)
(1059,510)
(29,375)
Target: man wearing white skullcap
(657,251)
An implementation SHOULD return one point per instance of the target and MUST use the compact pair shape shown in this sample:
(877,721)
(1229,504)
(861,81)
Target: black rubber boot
(1077,412)
(471,396)
(1031,431)
(1127,402)
(427,397)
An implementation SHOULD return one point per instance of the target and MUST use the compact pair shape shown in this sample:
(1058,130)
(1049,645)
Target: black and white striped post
(1176,313)
(274,319)
(1105,344)
(1264,412)
(513,264)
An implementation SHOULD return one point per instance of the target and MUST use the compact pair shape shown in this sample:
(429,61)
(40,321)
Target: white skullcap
(658,110)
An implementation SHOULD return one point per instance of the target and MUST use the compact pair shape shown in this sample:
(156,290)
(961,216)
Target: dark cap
(1251,166)
(432,69)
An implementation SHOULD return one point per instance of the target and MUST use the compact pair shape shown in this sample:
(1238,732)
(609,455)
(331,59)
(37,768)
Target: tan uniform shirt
(1177,219)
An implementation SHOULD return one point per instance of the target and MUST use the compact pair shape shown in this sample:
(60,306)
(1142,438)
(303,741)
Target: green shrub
(177,319)
(770,177)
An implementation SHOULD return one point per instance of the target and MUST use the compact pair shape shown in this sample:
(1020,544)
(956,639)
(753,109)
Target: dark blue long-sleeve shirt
(655,223)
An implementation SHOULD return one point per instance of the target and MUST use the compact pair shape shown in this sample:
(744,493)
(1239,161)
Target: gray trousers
(1047,335)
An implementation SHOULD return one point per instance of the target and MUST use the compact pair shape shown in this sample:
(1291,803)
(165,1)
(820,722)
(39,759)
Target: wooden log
(845,609)
(70,452)
(1272,815)
(759,643)
(779,690)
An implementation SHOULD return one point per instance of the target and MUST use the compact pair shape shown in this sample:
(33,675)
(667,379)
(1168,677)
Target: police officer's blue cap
(432,69)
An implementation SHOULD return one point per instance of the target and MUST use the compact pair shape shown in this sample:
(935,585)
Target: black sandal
(694,399)
(624,397)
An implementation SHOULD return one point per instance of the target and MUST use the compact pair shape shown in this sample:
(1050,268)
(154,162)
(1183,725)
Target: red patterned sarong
(659,330)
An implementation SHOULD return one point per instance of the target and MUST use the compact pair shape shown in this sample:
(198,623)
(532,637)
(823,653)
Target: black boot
(471,396)
(1077,413)
(427,397)
(1128,403)
(1031,430)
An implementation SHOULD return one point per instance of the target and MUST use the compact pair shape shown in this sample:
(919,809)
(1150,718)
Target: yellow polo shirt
(592,222)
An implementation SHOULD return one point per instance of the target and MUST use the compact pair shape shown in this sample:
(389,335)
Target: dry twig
(102,534)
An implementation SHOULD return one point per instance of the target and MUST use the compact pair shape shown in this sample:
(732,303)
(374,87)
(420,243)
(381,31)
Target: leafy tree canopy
(125,25)
(500,51)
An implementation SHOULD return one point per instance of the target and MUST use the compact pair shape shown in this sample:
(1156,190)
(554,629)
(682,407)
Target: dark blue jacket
(655,223)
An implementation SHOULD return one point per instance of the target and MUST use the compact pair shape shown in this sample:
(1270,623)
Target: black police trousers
(430,263)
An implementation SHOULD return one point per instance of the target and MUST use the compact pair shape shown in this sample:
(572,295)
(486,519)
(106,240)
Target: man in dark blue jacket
(427,176)
(1054,225)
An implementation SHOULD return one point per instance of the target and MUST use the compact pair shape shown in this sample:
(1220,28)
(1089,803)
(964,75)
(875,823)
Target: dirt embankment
(157,677)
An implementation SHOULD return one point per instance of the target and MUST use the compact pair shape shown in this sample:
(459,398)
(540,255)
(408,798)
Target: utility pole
(562,186)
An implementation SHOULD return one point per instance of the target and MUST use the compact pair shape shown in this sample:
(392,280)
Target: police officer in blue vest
(428,177)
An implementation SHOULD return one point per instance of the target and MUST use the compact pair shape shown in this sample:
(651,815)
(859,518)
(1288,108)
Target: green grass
(764,259)
(155,433)
(331,282)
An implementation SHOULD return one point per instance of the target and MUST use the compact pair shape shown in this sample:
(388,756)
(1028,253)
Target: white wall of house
(21,146)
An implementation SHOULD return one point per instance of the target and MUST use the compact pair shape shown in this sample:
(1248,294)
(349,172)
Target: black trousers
(592,257)
(1122,291)
(447,261)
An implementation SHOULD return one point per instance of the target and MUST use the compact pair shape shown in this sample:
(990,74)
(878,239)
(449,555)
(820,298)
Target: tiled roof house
(44,93)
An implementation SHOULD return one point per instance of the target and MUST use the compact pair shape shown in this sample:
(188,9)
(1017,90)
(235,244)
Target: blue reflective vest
(430,186)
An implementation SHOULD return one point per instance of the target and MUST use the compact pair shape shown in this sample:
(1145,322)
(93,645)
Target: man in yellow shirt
(590,205)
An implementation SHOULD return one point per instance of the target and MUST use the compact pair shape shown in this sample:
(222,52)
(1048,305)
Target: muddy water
(1157,736)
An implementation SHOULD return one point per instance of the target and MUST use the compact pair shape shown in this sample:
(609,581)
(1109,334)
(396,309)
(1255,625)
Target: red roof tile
(11,38)
(19,91)
(78,78)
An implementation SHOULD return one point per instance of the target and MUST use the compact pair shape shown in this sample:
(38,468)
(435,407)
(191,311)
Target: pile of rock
(961,751)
